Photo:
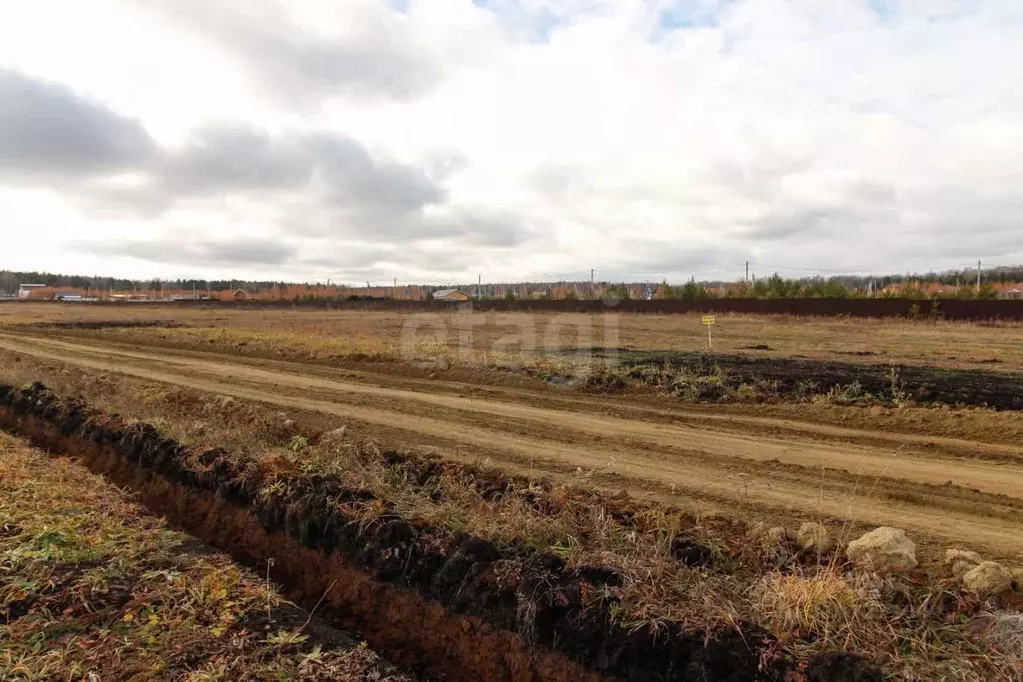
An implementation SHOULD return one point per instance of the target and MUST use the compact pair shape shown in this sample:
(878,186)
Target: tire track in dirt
(644,406)
(654,458)
(1001,478)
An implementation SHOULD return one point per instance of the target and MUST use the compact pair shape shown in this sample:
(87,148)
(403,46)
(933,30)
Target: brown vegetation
(95,586)
(616,579)
(663,571)
(339,335)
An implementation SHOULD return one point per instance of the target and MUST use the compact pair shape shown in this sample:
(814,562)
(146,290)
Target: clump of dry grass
(822,604)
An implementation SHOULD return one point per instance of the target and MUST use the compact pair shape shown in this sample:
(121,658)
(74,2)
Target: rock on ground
(988,578)
(962,561)
(814,537)
(883,549)
(954,555)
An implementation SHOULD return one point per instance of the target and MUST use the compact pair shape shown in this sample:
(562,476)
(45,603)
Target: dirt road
(968,493)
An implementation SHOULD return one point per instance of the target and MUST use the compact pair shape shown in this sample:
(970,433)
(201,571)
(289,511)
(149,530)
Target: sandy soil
(947,490)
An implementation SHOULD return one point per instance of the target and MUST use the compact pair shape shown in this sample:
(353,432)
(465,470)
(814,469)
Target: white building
(25,290)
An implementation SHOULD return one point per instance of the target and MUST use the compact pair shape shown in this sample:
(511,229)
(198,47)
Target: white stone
(953,556)
(988,578)
(814,537)
(883,549)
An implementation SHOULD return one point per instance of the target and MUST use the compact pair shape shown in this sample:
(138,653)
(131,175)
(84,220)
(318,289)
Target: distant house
(26,290)
(451,296)
(1015,294)
(239,294)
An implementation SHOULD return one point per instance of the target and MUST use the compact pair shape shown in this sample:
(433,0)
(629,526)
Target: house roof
(446,293)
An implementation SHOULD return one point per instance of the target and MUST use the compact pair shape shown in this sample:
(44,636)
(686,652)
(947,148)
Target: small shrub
(823,605)
(701,387)
(844,394)
(896,386)
(298,443)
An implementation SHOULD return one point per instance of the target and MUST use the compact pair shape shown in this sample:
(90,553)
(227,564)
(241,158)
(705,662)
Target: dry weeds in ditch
(92,587)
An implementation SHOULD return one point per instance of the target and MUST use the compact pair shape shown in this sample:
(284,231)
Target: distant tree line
(952,284)
(10,280)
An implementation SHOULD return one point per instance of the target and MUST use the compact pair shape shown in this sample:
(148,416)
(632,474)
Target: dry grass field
(656,462)
(95,587)
(339,333)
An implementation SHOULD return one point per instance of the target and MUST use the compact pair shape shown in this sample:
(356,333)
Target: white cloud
(647,139)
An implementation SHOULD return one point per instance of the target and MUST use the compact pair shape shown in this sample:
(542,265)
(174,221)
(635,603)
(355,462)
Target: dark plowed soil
(103,324)
(448,603)
(799,377)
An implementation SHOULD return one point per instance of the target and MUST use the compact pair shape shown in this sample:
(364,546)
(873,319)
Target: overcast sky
(432,140)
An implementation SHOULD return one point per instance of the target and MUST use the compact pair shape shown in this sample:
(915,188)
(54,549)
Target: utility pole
(591,283)
(479,286)
(747,272)
(978,277)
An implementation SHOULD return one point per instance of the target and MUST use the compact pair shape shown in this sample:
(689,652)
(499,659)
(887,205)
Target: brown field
(116,594)
(950,475)
(335,333)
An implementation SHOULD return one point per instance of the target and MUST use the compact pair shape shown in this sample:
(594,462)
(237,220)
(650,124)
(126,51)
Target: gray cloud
(318,184)
(351,174)
(477,227)
(375,58)
(49,131)
(849,208)
(336,170)
(812,222)
(227,157)
(383,264)
(326,183)
(462,226)
(191,252)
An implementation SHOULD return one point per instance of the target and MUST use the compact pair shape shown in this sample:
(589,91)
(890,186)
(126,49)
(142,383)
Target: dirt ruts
(967,493)
(445,603)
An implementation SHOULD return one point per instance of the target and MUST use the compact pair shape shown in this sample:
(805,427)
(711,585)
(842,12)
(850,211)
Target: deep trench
(428,604)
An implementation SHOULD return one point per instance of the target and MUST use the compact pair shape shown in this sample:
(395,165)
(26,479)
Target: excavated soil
(447,604)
